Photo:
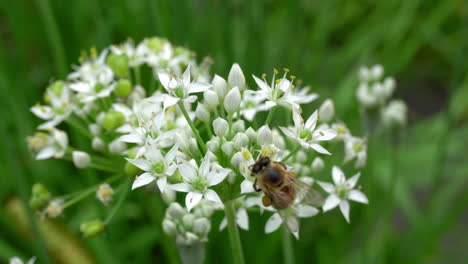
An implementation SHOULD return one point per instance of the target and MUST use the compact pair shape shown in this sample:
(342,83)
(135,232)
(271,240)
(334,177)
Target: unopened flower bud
(238,126)
(213,144)
(377,72)
(211,99)
(81,159)
(117,146)
(232,100)
(193,146)
(278,139)
(97,144)
(188,220)
(228,148)
(250,132)
(54,208)
(220,127)
(95,129)
(40,197)
(176,211)
(231,177)
(210,155)
(220,87)
(113,120)
(91,228)
(123,88)
(264,136)
(326,111)
(317,164)
(364,74)
(56,88)
(105,193)
(241,140)
(237,159)
(201,226)
(169,227)
(236,77)
(301,156)
(118,64)
(168,196)
(202,113)
(394,113)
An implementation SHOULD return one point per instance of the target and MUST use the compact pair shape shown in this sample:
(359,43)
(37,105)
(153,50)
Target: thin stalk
(192,126)
(85,193)
(230,126)
(236,246)
(270,116)
(208,129)
(120,201)
(298,147)
(288,251)
(137,75)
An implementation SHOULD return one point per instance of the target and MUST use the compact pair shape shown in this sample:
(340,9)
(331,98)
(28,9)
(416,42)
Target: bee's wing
(290,220)
(306,194)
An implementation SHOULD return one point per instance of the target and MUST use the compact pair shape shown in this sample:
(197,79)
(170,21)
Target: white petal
(326,134)
(192,199)
(141,163)
(298,121)
(162,183)
(204,169)
(132,138)
(344,208)
(311,121)
(198,87)
(331,202)
(262,84)
(186,76)
(358,196)
(188,171)
(338,175)
(172,153)
(169,101)
(164,79)
(223,224)
(351,182)
(328,187)
(212,196)
(46,153)
(143,179)
(180,187)
(42,111)
(307,211)
(242,219)
(247,186)
(319,148)
(273,223)
(288,132)
(217,177)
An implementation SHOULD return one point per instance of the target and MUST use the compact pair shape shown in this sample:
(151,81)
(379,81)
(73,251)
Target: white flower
(60,106)
(211,98)
(197,181)
(301,211)
(16,260)
(181,87)
(317,164)
(54,208)
(342,191)
(236,77)
(341,130)
(219,86)
(232,100)
(155,166)
(280,92)
(81,159)
(202,113)
(49,145)
(356,148)
(394,113)
(220,127)
(264,135)
(306,134)
(105,193)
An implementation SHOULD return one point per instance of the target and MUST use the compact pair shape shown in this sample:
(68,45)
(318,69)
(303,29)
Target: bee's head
(261,163)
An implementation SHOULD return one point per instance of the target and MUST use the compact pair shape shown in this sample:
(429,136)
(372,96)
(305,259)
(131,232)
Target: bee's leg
(266,200)
(255,186)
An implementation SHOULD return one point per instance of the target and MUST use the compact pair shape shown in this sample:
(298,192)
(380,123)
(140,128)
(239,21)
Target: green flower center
(179,92)
(158,167)
(341,130)
(306,135)
(59,111)
(250,104)
(199,183)
(341,192)
(98,87)
(357,147)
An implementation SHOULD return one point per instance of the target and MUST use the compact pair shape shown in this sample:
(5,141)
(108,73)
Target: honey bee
(282,190)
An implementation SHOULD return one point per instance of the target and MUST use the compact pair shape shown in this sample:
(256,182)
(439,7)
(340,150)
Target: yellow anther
(264,76)
(275,71)
(286,69)
(292,77)
(277,81)
(93,52)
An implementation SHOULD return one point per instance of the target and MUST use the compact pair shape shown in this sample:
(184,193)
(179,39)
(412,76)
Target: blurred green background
(416,185)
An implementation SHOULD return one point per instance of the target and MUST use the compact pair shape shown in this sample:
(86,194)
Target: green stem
(298,147)
(288,252)
(120,201)
(137,75)
(90,190)
(192,126)
(270,115)
(230,126)
(236,246)
(71,121)
(208,129)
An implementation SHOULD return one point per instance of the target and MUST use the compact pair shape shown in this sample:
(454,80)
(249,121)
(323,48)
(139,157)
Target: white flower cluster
(187,132)
(188,228)
(374,92)
(17,260)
